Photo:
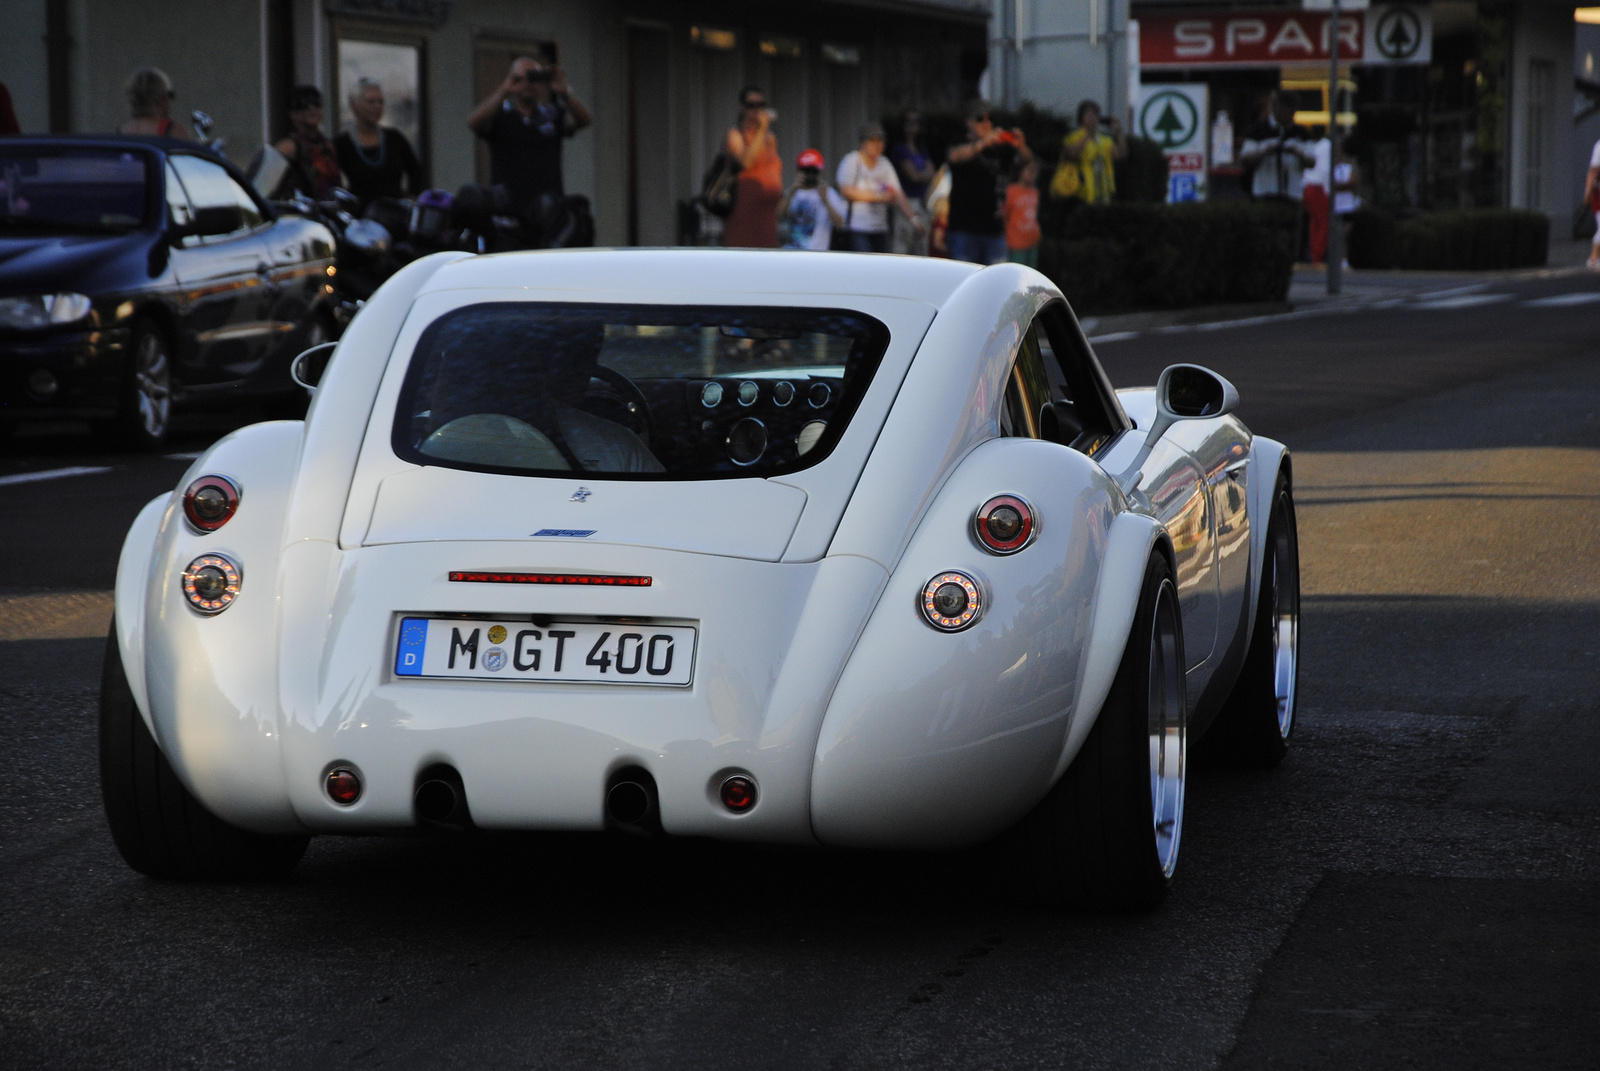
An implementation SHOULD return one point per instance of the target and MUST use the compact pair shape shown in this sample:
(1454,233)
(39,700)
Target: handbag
(720,186)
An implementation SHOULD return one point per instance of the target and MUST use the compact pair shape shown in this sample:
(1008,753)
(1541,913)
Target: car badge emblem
(580,495)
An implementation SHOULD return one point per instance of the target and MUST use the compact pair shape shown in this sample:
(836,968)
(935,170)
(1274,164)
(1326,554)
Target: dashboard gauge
(782,392)
(747,441)
(748,392)
(819,394)
(809,434)
(711,395)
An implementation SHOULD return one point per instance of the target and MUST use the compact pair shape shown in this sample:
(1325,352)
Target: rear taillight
(1004,524)
(738,794)
(211,583)
(951,602)
(343,785)
(210,502)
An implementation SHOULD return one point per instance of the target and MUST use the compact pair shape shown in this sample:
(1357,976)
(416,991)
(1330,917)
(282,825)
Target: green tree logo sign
(1169,119)
(1399,33)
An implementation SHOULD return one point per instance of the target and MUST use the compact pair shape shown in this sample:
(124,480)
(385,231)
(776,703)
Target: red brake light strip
(551,578)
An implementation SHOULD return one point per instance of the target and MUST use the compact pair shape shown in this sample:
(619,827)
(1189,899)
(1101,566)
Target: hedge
(1484,239)
(1123,257)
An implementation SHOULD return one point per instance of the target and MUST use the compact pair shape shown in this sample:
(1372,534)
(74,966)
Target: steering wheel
(632,398)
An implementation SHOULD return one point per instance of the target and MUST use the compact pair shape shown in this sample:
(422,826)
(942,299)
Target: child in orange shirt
(1022,217)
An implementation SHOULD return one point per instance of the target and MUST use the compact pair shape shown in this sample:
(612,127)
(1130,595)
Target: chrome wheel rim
(1285,578)
(1168,734)
(152,386)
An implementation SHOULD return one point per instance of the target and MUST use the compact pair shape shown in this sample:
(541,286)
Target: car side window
(1027,390)
(1083,412)
(178,211)
(210,186)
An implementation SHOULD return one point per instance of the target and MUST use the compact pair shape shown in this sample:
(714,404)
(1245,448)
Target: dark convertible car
(139,274)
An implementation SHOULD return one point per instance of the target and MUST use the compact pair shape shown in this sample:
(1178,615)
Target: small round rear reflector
(343,786)
(211,583)
(738,794)
(951,601)
(210,502)
(1004,524)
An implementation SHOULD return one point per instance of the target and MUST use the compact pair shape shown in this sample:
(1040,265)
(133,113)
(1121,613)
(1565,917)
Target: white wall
(1072,50)
(1544,31)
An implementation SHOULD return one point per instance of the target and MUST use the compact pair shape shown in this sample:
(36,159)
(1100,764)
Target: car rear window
(72,188)
(634,391)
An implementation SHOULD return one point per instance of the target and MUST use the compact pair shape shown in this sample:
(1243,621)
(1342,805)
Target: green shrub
(1373,243)
(1121,257)
(1485,239)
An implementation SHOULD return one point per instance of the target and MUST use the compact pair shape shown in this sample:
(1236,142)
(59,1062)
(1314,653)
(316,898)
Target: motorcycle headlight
(43,310)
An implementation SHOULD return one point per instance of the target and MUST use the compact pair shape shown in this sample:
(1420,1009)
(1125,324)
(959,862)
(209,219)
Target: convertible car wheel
(144,415)
(1254,727)
(1107,835)
(157,824)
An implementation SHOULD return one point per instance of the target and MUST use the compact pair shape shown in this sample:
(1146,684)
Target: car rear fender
(210,682)
(133,581)
(1268,458)
(1129,544)
(935,739)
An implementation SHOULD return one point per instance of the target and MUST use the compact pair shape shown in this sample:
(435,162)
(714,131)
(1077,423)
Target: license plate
(587,652)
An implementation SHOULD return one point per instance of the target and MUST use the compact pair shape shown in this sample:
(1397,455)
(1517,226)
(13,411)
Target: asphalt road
(1418,885)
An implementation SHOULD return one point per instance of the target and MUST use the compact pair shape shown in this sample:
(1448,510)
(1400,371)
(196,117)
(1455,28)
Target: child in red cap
(810,209)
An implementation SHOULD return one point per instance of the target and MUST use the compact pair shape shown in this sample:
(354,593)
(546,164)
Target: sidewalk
(1308,291)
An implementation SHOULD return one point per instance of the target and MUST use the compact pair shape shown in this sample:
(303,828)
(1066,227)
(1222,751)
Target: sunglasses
(755,104)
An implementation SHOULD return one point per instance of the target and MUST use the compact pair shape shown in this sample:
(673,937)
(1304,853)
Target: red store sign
(1245,38)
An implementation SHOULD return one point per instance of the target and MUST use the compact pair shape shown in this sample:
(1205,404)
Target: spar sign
(1385,33)
(1174,117)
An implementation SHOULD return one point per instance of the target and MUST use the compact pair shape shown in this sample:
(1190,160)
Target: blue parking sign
(1181,188)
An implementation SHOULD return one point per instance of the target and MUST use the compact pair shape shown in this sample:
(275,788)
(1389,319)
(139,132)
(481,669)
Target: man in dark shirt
(524,121)
(979,171)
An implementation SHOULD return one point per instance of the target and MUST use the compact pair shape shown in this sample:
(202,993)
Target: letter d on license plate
(584,652)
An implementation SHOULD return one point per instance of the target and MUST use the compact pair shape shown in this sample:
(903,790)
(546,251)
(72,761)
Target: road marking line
(184,457)
(53,474)
(1462,301)
(1115,336)
(1457,291)
(1582,297)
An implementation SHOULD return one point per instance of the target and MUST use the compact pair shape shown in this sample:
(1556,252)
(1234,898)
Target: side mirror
(1184,392)
(308,368)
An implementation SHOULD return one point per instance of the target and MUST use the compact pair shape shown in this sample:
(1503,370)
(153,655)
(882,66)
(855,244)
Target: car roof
(139,141)
(710,274)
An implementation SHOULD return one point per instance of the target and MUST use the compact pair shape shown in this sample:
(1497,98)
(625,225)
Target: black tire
(144,407)
(1094,841)
(1255,723)
(157,824)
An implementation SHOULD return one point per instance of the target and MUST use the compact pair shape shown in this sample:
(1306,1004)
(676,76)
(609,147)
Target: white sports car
(795,548)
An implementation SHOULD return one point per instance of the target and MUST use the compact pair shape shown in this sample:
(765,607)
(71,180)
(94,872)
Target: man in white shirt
(1278,151)
(868,181)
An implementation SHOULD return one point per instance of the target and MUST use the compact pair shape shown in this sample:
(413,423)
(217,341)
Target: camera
(542,75)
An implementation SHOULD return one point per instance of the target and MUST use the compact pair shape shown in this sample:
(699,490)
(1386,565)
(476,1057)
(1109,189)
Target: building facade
(662,78)
(1457,103)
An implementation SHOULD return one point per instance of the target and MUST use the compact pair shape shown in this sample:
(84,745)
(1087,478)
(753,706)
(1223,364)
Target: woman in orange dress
(753,223)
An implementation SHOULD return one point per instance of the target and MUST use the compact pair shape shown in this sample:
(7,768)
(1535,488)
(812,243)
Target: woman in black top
(375,159)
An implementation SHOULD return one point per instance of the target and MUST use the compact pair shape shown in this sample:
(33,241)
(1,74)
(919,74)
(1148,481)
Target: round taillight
(738,794)
(210,502)
(1004,524)
(343,785)
(951,602)
(211,583)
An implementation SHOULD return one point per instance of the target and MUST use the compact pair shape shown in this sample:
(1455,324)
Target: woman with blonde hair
(150,96)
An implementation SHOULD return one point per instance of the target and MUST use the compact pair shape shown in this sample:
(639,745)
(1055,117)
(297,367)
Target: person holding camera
(1086,170)
(980,170)
(1277,151)
(524,121)
(753,223)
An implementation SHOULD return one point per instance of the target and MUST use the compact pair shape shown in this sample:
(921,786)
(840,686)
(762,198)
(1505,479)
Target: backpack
(720,185)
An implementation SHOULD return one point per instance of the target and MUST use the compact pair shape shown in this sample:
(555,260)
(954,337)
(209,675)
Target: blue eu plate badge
(413,641)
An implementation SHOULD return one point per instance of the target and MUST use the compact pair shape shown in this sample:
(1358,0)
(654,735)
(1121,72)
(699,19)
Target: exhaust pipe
(631,801)
(440,798)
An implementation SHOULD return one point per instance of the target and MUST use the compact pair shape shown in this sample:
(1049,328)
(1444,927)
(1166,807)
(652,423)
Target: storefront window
(395,67)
